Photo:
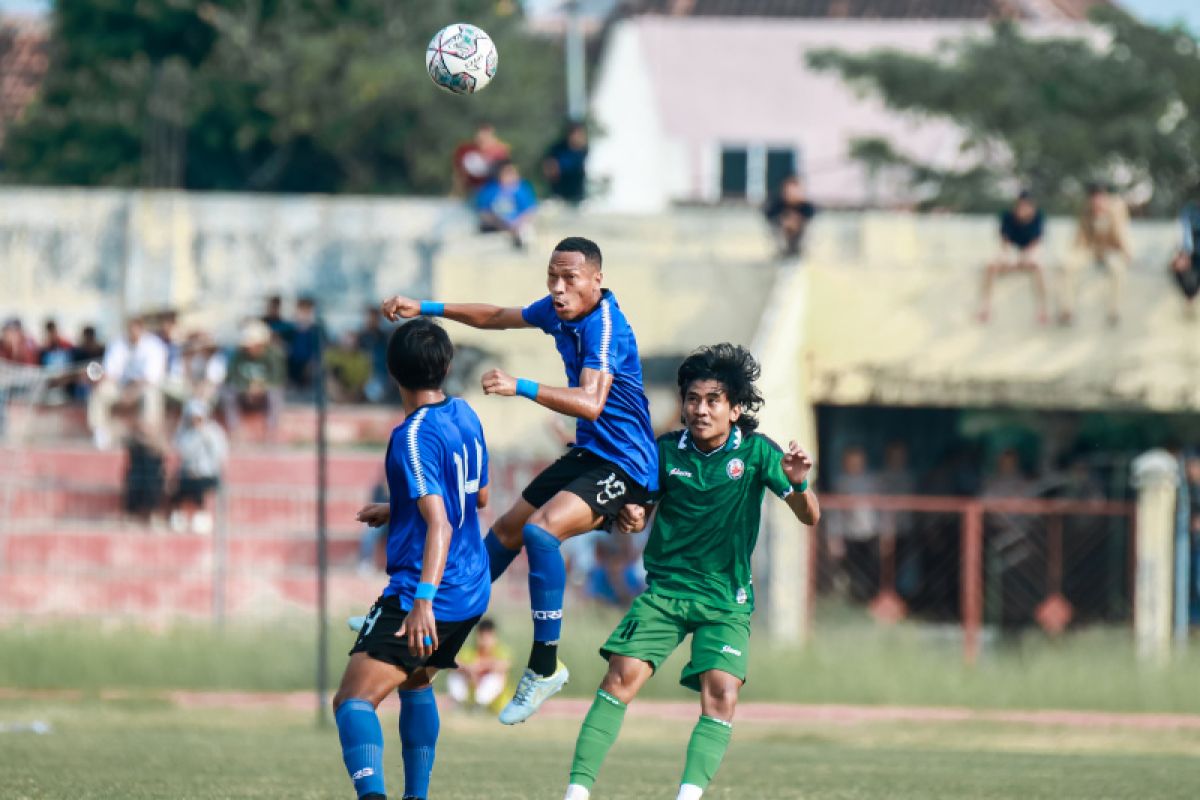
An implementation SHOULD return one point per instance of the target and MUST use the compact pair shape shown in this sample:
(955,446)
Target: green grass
(852,662)
(144,749)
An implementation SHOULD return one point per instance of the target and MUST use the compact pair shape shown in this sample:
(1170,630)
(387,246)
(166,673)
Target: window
(753,172)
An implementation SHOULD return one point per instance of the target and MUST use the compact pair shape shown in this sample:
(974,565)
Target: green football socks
(599,731)
(706,748)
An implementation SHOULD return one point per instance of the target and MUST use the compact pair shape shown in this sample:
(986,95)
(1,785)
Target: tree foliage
(273,95)
(1122,106)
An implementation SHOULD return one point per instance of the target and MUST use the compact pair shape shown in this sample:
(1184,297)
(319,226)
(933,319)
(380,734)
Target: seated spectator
(565,164)
(1186,264)
(255,378)
(202,450)
(477,160)
(507,204)
(88,354)
(304,346)
(198,372)
(55,350)
(1008,479)
(481,680)
(134,370)
(788,215)
(347,370)
(372,341)
(1021,229)
(273,317)
(1101,239)
(16,346)
(145,472)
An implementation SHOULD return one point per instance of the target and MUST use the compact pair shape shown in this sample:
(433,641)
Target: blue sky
(1162,11)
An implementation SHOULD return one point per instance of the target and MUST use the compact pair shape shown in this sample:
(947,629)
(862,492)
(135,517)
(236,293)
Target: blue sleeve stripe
(414,453)
(605,334)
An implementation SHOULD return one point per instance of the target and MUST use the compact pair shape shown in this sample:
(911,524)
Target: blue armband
(429,309)
(527,388)
(425,591)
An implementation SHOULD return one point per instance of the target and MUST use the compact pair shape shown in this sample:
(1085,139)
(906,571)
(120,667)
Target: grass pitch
(144,748)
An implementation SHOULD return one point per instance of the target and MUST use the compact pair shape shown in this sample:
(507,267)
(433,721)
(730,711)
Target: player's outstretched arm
(585,401)
(477,315)
(796,465)
(419,626)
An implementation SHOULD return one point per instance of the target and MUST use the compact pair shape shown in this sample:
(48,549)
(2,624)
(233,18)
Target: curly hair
(735,368)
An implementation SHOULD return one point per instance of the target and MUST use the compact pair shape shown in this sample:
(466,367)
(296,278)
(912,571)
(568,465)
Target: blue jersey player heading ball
(439,584)
(614,460)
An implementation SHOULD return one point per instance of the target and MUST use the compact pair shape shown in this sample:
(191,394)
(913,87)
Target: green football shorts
(655,625)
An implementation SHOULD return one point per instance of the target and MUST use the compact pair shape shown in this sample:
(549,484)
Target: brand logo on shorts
(677,471)
(365,772)
(557,614)
(735,469)
(731,650)
(611,488)
(369,622)
(741,596)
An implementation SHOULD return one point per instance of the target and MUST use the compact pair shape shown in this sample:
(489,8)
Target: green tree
(273,95)
(1053,113)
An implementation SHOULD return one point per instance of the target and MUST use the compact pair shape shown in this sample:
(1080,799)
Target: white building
(709,101)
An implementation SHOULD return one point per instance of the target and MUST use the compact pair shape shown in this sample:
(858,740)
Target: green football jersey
(709,505)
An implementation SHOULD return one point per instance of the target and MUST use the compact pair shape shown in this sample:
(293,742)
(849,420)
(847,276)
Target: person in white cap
(255,378)
(202,449)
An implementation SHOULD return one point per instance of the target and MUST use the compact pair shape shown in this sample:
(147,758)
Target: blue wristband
(429,309)
(801,487)
(527,388)
(425,591)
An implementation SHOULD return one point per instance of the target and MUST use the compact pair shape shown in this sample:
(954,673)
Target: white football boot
(532,691)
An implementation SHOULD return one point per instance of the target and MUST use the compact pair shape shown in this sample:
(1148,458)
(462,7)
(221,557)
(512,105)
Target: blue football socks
(362,745)
(419,725)
(499,556)
(547,582)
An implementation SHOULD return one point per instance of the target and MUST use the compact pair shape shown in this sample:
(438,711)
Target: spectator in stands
(198,372)
(347,370)
(477,160)
(202,449)
(1101,239)
(615,577)
(372,341)
(1186,265)
(852,534)
(281,328)
(788,214)
(56,349)
(1021,229)
(1008,479)
(255,378)
(897,479)
(304,347)
(507,204)
(145,473)
(565,164)
(166,327)
(88,351)
(16,345)
(481,680)
(134,370)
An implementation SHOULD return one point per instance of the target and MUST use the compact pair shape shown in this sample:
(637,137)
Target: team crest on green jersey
(735,468)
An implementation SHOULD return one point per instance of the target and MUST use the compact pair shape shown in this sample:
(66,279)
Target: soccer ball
(461,58)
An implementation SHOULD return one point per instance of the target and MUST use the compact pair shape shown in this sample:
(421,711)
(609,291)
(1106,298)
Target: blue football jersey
(439,450)
(603,340)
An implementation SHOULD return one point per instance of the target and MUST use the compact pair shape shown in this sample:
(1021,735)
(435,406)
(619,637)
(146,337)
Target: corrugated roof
(24,57)
(1036,10)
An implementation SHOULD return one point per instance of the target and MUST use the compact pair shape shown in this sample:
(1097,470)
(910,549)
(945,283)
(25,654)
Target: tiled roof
(24,56)
(1043,10)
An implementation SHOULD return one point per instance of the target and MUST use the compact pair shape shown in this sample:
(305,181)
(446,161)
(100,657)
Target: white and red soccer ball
(461,58)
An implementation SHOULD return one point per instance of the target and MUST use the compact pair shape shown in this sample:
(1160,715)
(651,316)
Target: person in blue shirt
(507,203)
(614,459)
(1021,231)
(1186,264)
(438,579)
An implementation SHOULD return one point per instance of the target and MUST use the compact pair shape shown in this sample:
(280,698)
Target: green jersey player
(712,478)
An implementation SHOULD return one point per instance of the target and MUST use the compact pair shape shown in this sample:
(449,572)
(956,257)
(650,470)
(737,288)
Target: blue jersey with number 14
(439,450)
(604,341)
